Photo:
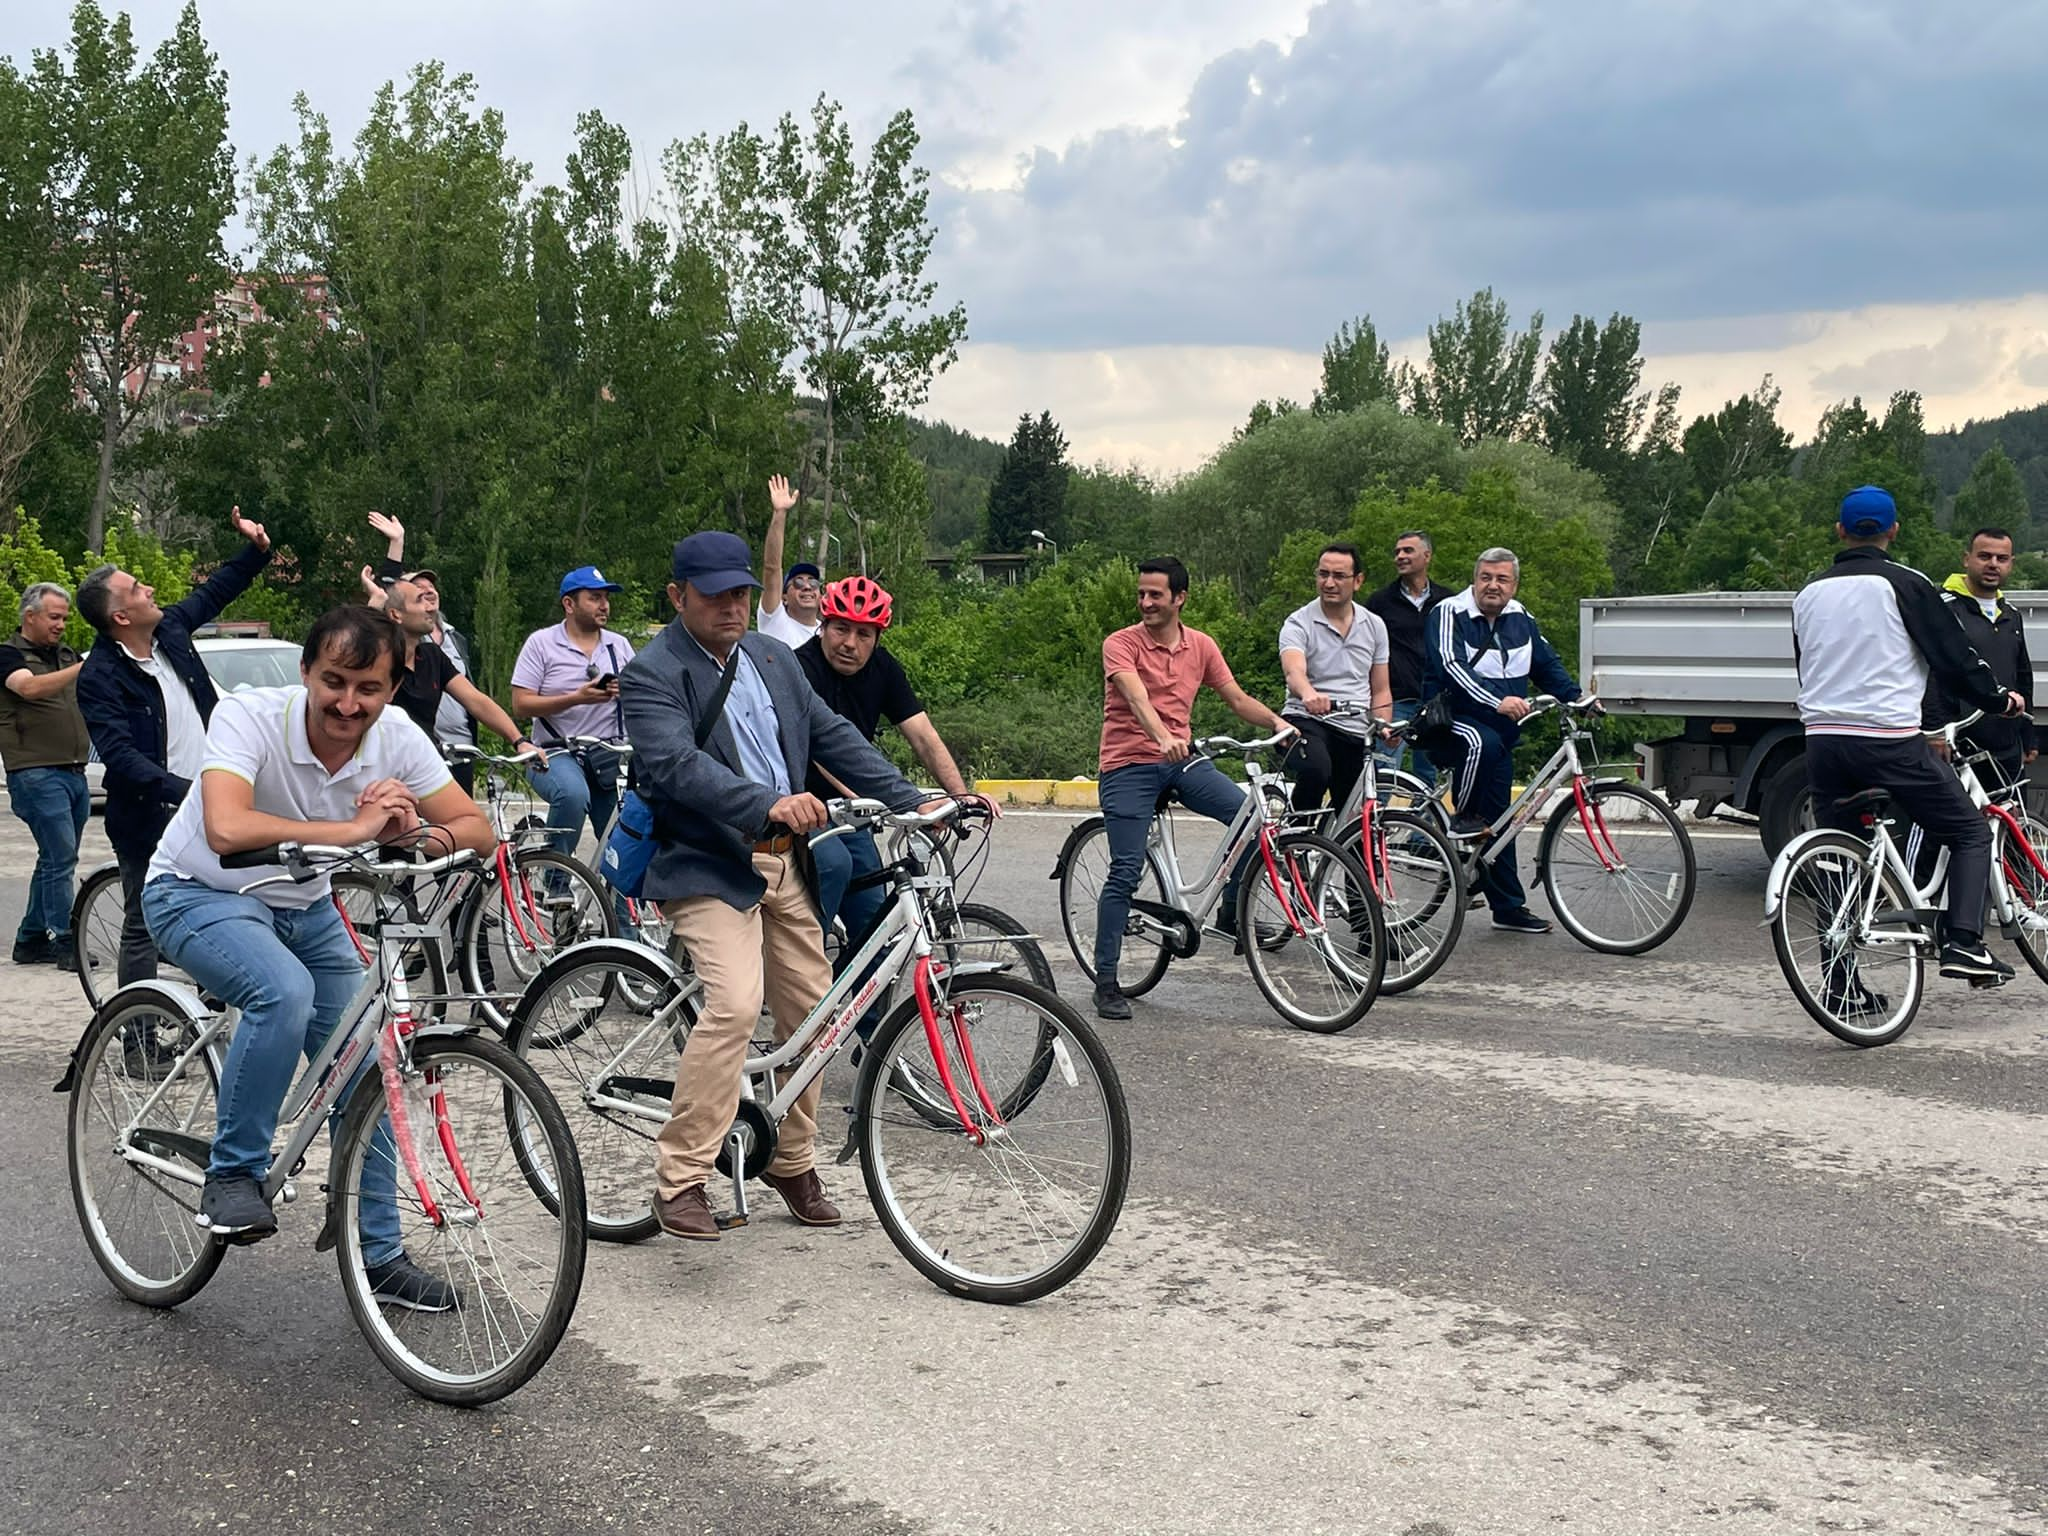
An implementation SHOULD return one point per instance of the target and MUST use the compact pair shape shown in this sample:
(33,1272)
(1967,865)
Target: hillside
(2024,436)
(958,466)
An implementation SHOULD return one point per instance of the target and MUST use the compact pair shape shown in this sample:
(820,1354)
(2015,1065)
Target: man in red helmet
(862,683)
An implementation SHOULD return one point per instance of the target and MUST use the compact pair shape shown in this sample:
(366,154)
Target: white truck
(1721,662)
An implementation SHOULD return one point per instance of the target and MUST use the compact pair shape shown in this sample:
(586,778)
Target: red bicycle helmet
(856,600)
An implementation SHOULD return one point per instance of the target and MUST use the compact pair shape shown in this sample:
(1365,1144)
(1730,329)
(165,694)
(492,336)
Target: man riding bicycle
(1333,651)
(324,762)
(1867,633)
(566,681)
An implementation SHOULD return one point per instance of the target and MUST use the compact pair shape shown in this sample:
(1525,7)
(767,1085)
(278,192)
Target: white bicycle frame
(1564,765)
(1197,900)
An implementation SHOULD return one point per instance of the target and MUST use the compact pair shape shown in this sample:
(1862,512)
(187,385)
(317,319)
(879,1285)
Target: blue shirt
(755,727)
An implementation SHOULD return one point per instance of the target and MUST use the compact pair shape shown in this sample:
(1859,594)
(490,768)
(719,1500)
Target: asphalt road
(1559,1242)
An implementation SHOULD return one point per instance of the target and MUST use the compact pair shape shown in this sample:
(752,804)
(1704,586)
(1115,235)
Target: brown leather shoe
(804,1194)
(687,1215)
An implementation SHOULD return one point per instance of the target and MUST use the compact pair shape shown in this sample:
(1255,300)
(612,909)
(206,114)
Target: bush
(1030,733)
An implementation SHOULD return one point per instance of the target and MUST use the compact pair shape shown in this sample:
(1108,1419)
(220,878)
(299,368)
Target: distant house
(1006,569)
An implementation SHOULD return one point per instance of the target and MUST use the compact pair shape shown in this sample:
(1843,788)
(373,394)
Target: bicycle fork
(394,1074)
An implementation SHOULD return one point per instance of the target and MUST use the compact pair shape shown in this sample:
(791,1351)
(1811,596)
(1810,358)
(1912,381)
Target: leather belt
(780,845)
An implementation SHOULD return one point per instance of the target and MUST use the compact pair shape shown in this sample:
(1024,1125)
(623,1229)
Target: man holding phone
(567,682)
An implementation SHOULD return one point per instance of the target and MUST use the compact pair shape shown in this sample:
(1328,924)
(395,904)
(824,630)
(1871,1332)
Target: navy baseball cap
(804,568)
(588,578)
(713,563)
(1868,510)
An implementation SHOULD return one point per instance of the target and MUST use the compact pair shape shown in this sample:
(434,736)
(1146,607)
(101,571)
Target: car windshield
(236,667)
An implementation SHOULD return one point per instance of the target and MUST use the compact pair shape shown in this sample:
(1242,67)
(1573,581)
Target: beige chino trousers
(775,950)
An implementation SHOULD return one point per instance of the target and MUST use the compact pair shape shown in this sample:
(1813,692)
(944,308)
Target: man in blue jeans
(1151,673)
(44,745)
(324,762)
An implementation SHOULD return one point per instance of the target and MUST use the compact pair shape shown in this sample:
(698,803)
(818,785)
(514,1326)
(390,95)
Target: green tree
(1358,369)
(831,250)
(1994,497)
(1263,414)
(1741,441)
(1030,490)
(889,500)
(1480,379)
(1593,408)
(1111,509)
(1759,535)
(121,191)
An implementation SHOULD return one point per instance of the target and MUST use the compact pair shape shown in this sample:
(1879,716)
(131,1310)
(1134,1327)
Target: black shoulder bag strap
(716,708)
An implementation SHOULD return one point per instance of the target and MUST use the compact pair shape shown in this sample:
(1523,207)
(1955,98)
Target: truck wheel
(1786,809)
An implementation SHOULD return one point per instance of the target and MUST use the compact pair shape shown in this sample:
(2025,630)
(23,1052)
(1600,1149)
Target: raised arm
(780,499)
(482,707)
(232,579)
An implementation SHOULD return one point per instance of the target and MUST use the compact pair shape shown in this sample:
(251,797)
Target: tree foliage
(1994,497)
(1029,496)
(1480,379)
(1359,370)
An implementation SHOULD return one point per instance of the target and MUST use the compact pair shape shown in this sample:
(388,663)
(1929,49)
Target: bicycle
(487,1182)
(1308,921)
(991,1127)
(1852,929)
(1614,859)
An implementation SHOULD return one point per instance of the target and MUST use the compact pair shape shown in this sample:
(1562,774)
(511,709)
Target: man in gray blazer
(727,824)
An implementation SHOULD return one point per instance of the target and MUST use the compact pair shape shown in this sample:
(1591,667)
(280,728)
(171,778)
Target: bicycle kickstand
(736,1149)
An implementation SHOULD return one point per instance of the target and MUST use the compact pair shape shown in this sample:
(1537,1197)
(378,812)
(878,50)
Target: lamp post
(1043,540)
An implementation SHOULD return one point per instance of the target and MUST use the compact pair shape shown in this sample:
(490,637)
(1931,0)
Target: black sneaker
(1862,1003)
(1110,1002)
(1519,920)
(1973,962)
(1469,826)
(402,1283)
(34,951)
(233,1209)
(64,952)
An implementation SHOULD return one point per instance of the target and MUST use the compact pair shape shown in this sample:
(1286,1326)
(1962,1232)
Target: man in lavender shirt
(566,682)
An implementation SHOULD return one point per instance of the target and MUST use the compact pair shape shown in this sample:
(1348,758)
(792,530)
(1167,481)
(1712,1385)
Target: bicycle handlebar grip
(254,858)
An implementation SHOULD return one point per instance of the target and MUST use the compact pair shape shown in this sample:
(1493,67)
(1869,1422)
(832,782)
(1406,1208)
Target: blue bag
(630,848)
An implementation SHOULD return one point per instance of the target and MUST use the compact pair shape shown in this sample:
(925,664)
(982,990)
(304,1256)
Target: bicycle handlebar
(595,744)
(1210,745)
(459,752)
(1954,728)
(306,861)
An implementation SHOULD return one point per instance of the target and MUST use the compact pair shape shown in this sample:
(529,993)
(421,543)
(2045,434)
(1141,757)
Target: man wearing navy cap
(566,681)
(1867,633)
(727,823)
(790,601)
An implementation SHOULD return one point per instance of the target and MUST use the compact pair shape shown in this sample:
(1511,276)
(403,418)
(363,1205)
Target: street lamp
(1043,540)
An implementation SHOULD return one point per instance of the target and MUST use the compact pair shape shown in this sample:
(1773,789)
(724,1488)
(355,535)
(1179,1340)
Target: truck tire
(1786,807)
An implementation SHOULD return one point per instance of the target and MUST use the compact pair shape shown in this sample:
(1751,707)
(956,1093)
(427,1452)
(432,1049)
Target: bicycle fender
(173,997)
(1081,830)
(1781,868)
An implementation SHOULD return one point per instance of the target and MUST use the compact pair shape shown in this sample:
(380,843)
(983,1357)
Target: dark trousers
(1481,765)
(137,961)
(1925,789)
(1325,761)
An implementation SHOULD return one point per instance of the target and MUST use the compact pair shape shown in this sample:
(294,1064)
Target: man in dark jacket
(1996,632)
(1404,605)
(146,698)
(43,742)
(728,819)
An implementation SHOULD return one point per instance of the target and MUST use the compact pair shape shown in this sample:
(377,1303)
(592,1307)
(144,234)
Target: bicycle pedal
(1983,983)
(727,1220)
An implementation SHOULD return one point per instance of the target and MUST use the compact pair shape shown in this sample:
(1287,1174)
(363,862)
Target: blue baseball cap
(588,578)
(1868,510)
(713,562)
(804,568)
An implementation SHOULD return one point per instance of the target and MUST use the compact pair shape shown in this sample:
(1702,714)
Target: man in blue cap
(728,822)
(566,681)
(1867,633)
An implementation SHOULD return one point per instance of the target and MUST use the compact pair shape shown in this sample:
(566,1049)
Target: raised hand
(393,531)
(780,497)
(253,532)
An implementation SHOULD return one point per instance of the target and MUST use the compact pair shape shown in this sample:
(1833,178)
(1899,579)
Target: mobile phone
(609,681)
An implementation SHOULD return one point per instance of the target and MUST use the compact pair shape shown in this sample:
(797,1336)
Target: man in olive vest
(44,744)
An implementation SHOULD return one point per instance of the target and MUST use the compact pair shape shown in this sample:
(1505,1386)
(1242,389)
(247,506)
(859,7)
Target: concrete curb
(1080,794)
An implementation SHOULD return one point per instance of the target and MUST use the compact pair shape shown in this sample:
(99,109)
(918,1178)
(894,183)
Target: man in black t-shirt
(429,673)
(862,683)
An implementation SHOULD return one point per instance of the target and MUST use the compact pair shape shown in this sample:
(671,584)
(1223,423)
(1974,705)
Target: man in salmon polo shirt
(1151,673)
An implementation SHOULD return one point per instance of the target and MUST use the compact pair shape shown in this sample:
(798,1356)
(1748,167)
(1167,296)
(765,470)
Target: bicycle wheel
(365,904)
(603,1029)
(1318,955)
(2029,888)
(1620,875)
(96,918)
(509,930)
(1858,990)
(134,1093)
(645,925)
(1422,896)
(1022,1213)
(488,1137)
(975,931)
(1083,866)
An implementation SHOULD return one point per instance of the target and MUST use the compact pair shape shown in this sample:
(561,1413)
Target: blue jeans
(575,790)
(54,802)
(1390,756)
(291,973)
(1128,796)
(839,862)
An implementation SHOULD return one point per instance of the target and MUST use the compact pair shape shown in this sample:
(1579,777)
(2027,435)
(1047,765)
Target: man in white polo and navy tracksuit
(1867,632)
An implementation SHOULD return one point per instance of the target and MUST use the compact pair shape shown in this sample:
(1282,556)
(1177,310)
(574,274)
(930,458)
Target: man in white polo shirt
(791,600)
(1333,651)
(324,762)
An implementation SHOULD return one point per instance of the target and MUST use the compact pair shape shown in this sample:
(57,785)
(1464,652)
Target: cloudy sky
(1157,213)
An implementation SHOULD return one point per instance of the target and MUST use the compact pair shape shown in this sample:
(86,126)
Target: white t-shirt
(778,625)
(184,731)
(259,735)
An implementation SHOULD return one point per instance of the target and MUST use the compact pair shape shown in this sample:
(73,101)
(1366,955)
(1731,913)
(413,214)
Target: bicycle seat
(1165,799)
(1875,801)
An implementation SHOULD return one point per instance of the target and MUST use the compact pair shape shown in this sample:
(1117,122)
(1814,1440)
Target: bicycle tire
(499,957)
(1002,937)
(497,1092)
(1427,913)
(576,1017)
(1084,861)
(962,1214)
(97,915)
(161,1258)
(2030,890)
(1286,963)
(1827,874)
(1654,884)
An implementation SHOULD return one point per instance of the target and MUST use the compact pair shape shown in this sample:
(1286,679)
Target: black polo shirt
(878,691)
(420,689)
